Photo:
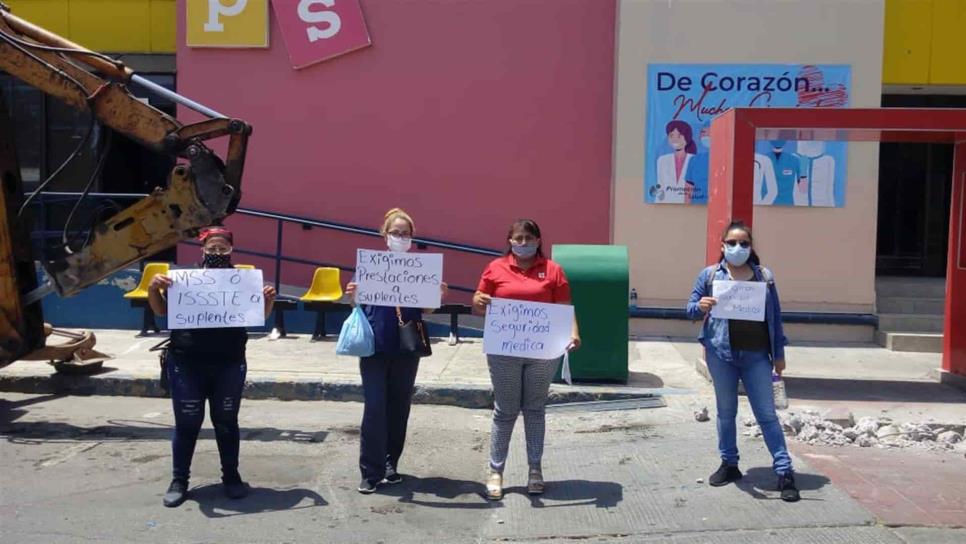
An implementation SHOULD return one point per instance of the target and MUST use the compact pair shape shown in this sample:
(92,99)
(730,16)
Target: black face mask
(217,261)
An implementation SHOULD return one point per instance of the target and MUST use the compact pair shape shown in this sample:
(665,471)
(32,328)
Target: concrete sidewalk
(865,378)
(295,368)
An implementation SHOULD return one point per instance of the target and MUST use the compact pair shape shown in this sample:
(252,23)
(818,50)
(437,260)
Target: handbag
(163,382)
(356,338)
(413,338)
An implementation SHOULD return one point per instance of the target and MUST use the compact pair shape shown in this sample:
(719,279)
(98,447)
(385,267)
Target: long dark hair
(528,226)
(685,130)
(738,224)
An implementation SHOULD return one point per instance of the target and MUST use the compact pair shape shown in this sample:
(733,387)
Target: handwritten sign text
(744,300)
(215,298)
(527,329)
(409,280)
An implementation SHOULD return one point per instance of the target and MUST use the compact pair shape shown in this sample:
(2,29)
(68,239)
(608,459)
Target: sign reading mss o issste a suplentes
(215,298)
(313,30)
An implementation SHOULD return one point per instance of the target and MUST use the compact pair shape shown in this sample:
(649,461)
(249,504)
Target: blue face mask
(525,251)
(706,142)
(737,255)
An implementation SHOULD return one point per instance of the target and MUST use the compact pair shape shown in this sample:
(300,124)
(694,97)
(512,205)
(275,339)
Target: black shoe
(235,490)
(177,493)
(366,487)
(392,477)
(724,475)
(786,484)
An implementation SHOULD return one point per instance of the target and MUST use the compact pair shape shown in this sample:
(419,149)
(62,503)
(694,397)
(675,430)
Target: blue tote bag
(356,338)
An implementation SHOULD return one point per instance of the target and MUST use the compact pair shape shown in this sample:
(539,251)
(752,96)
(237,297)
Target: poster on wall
(226,23)
(318,30)
(682,99)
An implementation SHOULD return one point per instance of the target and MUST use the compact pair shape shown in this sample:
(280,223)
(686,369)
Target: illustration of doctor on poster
(682,99)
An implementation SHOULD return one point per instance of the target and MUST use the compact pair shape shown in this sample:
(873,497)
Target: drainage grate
(609,405)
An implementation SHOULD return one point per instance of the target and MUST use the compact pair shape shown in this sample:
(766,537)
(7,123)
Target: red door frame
(731,184)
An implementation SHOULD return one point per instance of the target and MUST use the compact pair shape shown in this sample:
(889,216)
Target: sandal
(494,486)
(535,484)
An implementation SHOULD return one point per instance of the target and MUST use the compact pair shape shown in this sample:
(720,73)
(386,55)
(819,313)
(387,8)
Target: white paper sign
(389,278)
(212,298)
(744,300)
(527,329)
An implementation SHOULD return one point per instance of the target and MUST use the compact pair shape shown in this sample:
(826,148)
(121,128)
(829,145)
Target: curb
(460,395)
(701,367)
(948,378)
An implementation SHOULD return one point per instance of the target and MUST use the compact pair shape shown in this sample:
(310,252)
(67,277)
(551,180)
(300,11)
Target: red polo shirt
(544,281)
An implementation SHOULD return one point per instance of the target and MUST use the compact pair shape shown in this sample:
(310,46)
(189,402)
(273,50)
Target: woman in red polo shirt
(521,384)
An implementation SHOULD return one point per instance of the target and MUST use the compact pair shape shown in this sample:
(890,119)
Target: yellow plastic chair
(139,296)
(150,270)
(326,286)
(245,266)
(322,297)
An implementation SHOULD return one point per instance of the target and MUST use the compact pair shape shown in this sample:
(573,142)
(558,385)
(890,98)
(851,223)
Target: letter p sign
(227,23)
(216,9)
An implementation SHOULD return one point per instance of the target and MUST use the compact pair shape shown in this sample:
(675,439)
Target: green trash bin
(599,280)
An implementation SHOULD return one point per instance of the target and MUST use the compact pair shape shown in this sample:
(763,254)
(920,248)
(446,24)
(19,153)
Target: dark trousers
(221,385)
(387,385)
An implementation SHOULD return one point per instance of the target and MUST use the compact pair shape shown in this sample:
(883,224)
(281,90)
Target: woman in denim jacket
(749,350)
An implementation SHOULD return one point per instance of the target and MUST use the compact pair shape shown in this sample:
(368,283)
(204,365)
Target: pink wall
(468,114)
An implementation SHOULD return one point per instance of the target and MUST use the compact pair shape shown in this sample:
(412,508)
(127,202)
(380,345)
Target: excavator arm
(202,188)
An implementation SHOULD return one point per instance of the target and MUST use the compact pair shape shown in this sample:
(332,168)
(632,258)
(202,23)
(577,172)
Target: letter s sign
(331,18)
(318,30)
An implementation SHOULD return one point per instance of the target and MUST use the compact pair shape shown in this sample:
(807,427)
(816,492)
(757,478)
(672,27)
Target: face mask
(398,243)
(706,142)
(677,146)
(737,255)
(212,260)
(525,251)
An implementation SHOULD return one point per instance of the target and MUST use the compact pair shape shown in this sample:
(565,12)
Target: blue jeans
(387,385)
(754,368)
(221,384)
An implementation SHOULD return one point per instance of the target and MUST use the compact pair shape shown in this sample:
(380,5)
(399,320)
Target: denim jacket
(714,332)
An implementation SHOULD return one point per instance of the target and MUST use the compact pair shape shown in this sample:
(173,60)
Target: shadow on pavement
(871,390)
(758,479)
(213,503)
(574,493)
(644,380)
(412,489)
(123,430)
(563,492)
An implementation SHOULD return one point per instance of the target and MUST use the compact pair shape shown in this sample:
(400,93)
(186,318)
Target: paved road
(82,469)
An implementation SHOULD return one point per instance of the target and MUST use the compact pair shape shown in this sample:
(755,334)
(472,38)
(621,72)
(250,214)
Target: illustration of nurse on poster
(682,99)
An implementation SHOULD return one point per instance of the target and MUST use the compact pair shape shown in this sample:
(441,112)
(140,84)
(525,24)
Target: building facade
(473,114)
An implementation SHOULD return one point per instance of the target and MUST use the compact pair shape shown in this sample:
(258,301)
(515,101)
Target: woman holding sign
(521,384)
(205,364)
(743,349)
(389,375)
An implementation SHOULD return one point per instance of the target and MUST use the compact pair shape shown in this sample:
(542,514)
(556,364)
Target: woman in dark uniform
(388,376)
(206,365)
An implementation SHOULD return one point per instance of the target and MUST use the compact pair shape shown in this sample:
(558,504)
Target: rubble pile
(810,427)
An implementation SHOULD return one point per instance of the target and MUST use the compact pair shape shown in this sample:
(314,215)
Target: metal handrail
(289,218)
(281,219)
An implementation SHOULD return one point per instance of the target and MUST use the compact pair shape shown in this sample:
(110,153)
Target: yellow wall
(924,42)
(123,26)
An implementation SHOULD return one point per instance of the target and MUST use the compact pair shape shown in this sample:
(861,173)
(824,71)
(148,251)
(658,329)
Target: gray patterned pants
(519,384)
